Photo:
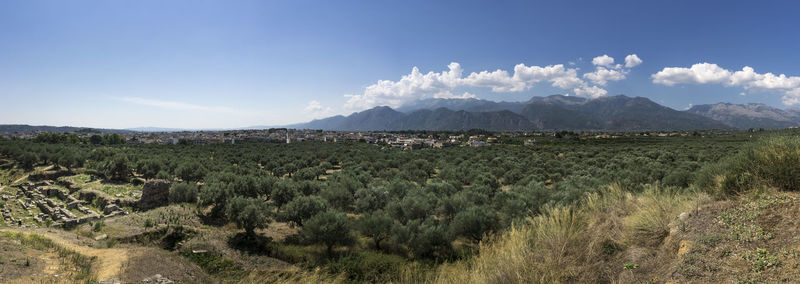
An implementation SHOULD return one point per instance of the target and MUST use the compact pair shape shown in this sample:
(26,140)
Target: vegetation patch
(742,221)
(761,259)
(213,263)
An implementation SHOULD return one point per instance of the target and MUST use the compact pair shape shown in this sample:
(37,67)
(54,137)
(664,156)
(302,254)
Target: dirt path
(109,261)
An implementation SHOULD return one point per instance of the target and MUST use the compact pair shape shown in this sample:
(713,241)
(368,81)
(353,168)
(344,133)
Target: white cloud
(417,85)
(591,92)
(601,76)
(498,80)
(448,95)
(603,60)
(632,60)
(701,73)
(410,87)
(747,78)
(316,110)
(313,106)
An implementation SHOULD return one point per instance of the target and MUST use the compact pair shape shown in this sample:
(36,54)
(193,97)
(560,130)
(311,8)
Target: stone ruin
(38,195)
(155,193)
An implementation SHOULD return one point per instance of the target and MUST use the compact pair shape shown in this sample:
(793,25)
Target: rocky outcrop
(155,193)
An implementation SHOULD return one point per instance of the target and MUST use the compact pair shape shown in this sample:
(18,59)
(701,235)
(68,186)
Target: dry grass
(574,243)
(654,211)
(292,275)
(78,266)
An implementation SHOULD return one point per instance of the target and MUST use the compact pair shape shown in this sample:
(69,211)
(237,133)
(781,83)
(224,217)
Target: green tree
(117,168)
(182,192)
(190,171)
(376,225)
(96,139)
(474,222)
(427,239)
(371,198)
(337,195)
(330,228)
(301,208)
(28,160)
(283,192)
(248,213)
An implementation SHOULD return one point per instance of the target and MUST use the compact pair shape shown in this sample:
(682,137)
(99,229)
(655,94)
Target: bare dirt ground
(108,262)
(23,265)
(751,240)
(126,263)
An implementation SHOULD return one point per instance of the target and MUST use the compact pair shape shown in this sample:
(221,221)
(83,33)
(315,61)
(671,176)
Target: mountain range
(751,115)
(24,128)
(557,112)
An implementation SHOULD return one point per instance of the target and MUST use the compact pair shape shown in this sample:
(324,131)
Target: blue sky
(225,64)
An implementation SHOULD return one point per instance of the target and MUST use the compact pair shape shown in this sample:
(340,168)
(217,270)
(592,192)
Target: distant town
(397,139)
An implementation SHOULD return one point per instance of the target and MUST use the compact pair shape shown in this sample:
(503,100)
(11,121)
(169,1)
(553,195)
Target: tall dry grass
(572,243)
(293,275)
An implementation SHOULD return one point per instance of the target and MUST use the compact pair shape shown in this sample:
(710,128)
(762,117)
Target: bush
(369,267)
(183,193)
(774,162)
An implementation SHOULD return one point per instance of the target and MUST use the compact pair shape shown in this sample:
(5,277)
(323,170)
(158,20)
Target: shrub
(773,161)
(182,193)
(655,209)
(369,267)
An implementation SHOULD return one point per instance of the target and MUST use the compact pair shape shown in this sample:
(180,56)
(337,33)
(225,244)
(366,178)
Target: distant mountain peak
(555,112)
(748,115)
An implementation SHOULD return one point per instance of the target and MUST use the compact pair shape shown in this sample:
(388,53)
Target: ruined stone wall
(155,193)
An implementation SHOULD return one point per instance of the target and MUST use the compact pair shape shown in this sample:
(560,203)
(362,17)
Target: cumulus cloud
(448,95)
(418,85)
(603,60)
(701,73)
(632,61)
(747,78)
(313,106)
(410,87)
(601,75)
(315,109)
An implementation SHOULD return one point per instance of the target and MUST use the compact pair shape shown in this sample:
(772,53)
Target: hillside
(24,128)
(617,113)
(446,119)
(737,225)
(752,115)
